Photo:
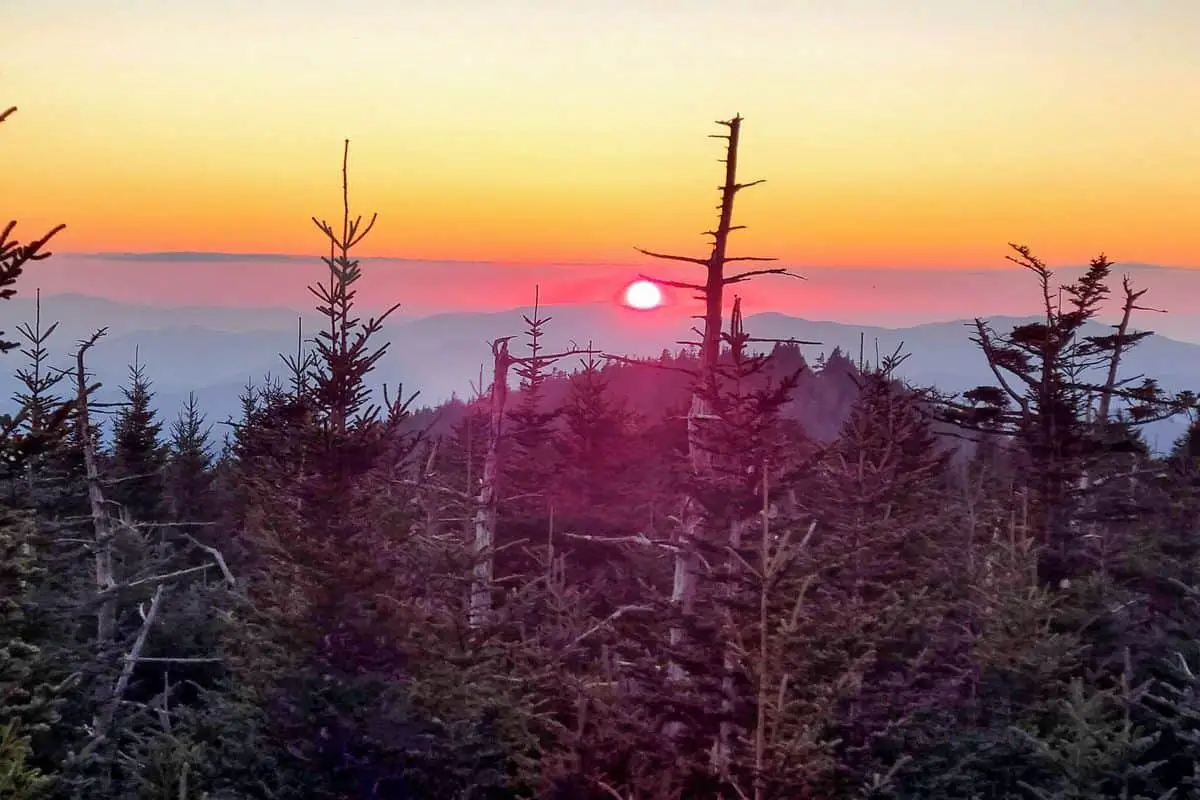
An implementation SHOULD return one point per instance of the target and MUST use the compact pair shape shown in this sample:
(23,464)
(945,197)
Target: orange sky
(892,133)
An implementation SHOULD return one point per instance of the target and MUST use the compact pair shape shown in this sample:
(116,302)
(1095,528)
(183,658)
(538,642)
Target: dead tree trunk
(106,616)
(1123,340)
(487,499)
(712,292)
(701,414)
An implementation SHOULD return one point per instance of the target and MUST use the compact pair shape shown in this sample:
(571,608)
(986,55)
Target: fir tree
(529,453)
(138,454)
(1187,447)
(190,478)
(45,413)
(1044,392)
(17,446)
(599,481)
(27,703)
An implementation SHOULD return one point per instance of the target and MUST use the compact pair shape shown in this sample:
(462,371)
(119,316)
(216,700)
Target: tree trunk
(105,580)
(684,590)
(486,500)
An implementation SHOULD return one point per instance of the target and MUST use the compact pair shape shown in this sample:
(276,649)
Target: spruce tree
(346,612)
(45,413)
(138,455)
(601,483)
(892,572)
(528,448)
(17,446)
(190,478)
(1057,391)
(27,703)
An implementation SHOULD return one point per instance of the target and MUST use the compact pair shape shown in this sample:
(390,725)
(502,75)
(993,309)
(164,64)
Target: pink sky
(869,296)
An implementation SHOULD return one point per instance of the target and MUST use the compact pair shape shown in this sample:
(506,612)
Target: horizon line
(219,256)
(968,319)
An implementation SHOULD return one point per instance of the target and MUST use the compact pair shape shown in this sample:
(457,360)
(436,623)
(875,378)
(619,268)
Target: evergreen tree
(1046,382)
(1187,447)
(27,703)
(190,478)
(45,414)
(138,454)
(602,480)
(346,612)
(528,448)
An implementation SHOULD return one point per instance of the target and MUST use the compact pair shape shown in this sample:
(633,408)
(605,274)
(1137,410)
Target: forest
(722,573)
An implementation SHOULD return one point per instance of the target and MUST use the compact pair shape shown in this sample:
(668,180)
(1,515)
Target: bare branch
(639,539)
(650,364)
(434,487)
(689,259)
(672,284)
(611,791)
(613,617)
(153,580)
(730,229)
(217,557)
(780,341)
(741,276)
(731,259)
(105,721)
(737,187)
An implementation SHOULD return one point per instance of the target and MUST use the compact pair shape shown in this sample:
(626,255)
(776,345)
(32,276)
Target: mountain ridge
(185,349)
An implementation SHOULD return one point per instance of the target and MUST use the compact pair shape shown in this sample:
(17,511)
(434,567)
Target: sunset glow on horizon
(926,133)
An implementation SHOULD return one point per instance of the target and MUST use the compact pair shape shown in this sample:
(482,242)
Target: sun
(643,295)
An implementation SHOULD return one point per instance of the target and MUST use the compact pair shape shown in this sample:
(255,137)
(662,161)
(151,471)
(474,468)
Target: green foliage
(18,780)
(1049,398)
(1095,750)
(139,457)
(25,697)
(601,440)
(189,481)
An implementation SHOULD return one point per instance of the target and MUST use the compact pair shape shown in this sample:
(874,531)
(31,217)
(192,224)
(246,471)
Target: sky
(255,288)
(892,134)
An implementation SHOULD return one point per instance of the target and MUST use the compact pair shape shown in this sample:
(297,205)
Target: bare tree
(487,500)
(101,526)
(712,293)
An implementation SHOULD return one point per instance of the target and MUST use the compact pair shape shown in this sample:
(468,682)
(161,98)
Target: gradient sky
(892,133)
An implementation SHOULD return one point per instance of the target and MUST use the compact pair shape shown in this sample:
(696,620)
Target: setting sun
(643,295)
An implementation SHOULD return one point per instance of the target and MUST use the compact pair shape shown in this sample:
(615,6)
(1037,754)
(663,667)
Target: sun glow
(643,295)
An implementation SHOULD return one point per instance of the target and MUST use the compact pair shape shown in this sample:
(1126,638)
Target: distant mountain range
(888,296)
(215,351)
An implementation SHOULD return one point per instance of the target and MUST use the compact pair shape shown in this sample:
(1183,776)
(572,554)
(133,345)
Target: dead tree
(712,293)
(109,588)
(486,501)
(101,527)
(486,513)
